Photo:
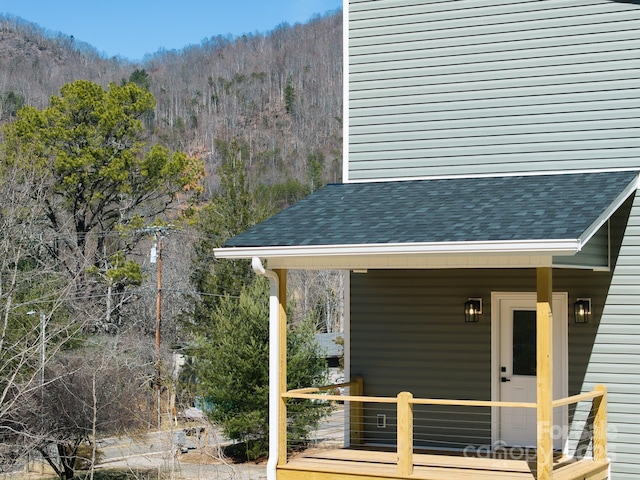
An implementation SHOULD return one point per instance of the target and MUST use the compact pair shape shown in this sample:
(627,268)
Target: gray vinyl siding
(615,359)
(408,334)
(595,254)
(442,88)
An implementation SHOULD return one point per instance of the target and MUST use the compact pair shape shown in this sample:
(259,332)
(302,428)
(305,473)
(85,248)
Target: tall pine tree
(230,325)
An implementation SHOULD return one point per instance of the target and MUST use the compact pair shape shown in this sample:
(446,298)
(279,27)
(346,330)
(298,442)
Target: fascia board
(363,263)
(543,247)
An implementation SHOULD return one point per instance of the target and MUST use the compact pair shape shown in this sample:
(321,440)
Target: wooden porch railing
(599,412)
(405,402)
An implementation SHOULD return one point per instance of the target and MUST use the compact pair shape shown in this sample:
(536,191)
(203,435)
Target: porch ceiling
(485,222)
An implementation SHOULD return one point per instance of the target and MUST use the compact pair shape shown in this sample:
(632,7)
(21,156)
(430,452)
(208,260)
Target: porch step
(365,465)
(344,470)
(346,464)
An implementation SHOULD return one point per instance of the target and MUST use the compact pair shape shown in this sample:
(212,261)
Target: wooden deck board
(357,464)
(583,470)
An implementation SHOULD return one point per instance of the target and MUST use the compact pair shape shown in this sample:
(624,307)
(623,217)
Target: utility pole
(159,236)
(159,233)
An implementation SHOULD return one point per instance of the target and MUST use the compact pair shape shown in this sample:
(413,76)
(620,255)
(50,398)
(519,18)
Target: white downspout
(274,363)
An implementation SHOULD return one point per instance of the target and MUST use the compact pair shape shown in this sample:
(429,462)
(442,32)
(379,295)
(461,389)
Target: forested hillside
(117,180)
(277,95)
(279,92)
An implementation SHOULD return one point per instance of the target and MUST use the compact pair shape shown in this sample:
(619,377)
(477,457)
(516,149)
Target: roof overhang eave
(610,210)
(564,247)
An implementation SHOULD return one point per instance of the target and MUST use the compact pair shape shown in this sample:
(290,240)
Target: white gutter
(274,366)
(546,247)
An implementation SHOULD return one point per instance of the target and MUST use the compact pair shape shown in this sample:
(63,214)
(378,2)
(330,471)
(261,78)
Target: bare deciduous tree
(318,294)
(91,392)
(33,326)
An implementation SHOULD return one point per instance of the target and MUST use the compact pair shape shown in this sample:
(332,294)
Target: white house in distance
(489,227)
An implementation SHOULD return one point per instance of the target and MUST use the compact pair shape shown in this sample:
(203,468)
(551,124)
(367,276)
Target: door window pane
(524,342)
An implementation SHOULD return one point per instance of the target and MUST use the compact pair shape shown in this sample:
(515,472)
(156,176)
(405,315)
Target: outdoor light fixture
(472,310)
(582,310)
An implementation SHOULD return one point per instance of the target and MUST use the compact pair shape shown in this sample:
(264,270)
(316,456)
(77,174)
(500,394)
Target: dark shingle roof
(443,210)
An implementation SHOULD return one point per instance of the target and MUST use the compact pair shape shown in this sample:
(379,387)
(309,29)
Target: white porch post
(277,366)
(282,370)
(544,374)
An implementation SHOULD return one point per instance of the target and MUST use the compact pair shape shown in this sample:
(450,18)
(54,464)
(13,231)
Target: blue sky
(133,28)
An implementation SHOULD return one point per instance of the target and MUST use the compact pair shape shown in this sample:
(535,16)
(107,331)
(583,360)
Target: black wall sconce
(472,310)
(582,310)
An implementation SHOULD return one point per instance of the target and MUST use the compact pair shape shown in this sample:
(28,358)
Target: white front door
(514,377)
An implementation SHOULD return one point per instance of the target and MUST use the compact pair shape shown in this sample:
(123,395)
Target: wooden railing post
(600,425)
(356,417)
(544,373)
(405,433)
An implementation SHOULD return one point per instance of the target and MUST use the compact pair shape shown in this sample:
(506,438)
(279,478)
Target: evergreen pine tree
(231,324)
